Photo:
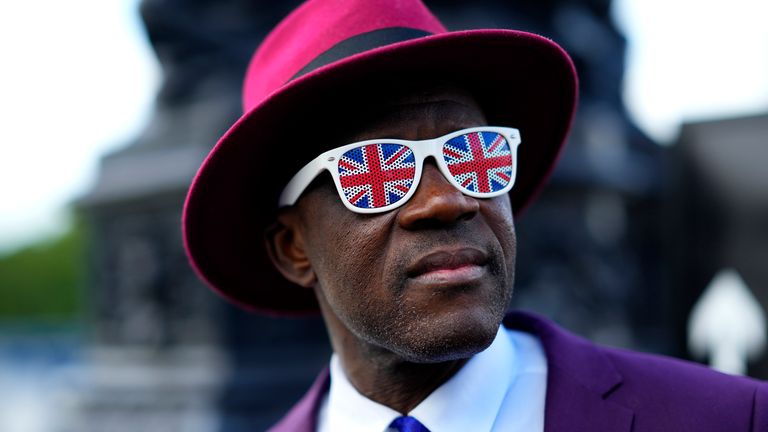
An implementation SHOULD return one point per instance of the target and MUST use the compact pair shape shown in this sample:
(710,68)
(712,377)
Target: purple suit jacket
(598,389)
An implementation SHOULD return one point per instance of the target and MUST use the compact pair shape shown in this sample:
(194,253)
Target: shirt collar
(470,400)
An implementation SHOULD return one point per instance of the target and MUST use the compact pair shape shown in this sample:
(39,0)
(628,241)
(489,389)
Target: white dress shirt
(500,389)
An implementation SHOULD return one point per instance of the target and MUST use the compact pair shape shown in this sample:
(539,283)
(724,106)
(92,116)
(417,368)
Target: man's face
(429,281)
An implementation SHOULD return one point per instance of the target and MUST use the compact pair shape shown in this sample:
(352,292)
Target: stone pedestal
(130,390)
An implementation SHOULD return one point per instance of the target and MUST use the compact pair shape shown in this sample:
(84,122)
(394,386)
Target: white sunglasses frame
(421,150)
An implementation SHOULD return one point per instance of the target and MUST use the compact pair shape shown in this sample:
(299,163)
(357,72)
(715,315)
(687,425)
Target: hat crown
(317,26)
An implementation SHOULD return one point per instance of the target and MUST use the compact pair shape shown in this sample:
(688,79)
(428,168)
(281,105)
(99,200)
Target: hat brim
(520,80)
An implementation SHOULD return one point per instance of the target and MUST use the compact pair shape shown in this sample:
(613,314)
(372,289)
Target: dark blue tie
(406,424)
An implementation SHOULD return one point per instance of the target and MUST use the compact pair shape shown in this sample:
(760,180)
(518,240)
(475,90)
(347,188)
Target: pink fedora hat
(310,71)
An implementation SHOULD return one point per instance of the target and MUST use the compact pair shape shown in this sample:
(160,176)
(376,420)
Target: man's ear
(286,248)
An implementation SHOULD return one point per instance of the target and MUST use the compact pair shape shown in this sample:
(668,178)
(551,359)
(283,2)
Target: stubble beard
(406,333)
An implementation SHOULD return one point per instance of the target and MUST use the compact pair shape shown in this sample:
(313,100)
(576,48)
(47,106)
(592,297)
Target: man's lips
(449,266)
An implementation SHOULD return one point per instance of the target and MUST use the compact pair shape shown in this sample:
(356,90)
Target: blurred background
(652,235)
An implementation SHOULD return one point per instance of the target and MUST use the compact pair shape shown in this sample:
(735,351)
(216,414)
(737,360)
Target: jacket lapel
(303,416)
(580,381)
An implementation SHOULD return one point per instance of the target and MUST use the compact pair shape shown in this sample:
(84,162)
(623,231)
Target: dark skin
(408,296)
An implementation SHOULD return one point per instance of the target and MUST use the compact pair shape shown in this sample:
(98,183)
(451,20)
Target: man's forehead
(421,92)
(402,113)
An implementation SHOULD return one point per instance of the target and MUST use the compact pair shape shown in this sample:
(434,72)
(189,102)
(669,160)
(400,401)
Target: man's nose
(436,202)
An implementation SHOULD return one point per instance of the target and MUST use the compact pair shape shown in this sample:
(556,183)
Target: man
(374,177)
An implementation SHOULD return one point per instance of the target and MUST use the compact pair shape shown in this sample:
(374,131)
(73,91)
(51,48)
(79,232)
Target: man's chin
(446,341)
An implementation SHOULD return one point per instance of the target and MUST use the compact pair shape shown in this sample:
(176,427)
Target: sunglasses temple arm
(300,181)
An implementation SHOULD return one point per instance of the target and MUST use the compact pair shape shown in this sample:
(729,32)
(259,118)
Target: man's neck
(396,383)
(387,377)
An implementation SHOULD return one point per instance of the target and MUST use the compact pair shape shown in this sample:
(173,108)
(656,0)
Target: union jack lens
(480,162)
(378,175)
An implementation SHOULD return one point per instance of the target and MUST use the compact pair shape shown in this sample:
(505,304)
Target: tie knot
(406,424)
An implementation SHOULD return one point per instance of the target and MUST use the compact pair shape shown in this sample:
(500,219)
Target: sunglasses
(379,175)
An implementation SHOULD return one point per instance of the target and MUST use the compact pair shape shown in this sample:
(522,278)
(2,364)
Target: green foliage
(44,280)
